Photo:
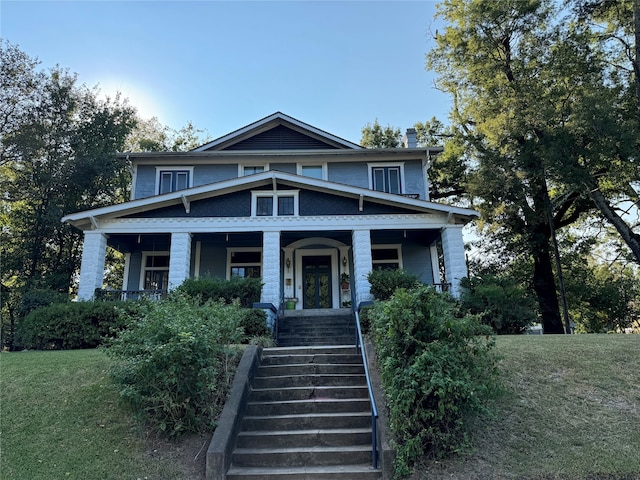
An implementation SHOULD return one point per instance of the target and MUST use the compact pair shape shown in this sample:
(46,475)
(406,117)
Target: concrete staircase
(316,327)
(308,417)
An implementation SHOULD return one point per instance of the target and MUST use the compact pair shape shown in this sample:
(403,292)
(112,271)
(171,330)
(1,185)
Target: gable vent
(280,138)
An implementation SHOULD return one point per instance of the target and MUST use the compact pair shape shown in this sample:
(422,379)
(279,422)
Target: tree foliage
(376,136)
(543,121)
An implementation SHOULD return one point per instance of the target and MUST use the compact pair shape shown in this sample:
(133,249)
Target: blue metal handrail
(374,408)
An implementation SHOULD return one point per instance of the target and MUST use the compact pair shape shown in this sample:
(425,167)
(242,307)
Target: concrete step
(310,369)
(304,438)
(319,358)
(315,380)
(333,472)
(308,406)
(302,350)
(296,340)
(301,457)
(309,393)
(308,422)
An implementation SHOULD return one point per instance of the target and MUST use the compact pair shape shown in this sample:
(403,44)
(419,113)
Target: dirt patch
(186,455)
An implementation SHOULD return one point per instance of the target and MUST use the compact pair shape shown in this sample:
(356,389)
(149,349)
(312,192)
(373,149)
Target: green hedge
(385,282)
(73,325)
(174,366)
(246,290)
(437,370)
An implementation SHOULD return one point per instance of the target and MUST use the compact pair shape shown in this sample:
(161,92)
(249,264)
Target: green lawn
(572,411)
(60,419)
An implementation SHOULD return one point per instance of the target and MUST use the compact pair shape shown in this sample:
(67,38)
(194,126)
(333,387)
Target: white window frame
(274,195)
(322,165)
(391,246)
(232,250)
(242,166)
(173,169)
(400,165)
(143,266)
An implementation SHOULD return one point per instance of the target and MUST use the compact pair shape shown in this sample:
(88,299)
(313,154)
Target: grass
(60,419)
(571,411)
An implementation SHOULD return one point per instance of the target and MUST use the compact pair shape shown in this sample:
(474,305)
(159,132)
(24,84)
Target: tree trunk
(544,285)
(631,238)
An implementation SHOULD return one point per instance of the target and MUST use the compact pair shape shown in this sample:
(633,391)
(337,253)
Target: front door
(316,282)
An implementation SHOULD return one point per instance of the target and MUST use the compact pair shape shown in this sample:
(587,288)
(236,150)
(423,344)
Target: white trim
(134,181)
(322,165)
(390,246)
(232,250)
(127,266)
(143,263)
(335,274)
(435,263)
(242,165)
(173,168)
(255,194)
(371,166)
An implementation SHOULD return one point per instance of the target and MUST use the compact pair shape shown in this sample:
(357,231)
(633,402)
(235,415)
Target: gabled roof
(85,220)
(278,131)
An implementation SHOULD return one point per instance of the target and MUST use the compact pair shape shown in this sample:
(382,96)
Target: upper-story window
(251,169)
(274,204)
(173,179)
(388,178)
(318,171)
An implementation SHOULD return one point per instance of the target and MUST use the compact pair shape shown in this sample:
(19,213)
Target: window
(274,204)
(386,257)
(155,273)
(386,178)
(171,180)
(244,262)
(313,171)
(251,169)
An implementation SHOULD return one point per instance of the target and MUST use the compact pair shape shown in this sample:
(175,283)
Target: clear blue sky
(221,65)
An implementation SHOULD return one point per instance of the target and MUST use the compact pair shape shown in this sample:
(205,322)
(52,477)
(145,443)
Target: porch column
(271,268)
(362,265)
(455,266)
(179,259)
(94,250)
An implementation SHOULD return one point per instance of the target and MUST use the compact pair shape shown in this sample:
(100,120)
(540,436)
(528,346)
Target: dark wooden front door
(317,282)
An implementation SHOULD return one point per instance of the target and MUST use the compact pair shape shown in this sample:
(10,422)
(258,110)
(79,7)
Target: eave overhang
(90,219)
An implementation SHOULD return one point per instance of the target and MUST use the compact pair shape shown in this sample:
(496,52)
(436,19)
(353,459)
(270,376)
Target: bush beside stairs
(307,414)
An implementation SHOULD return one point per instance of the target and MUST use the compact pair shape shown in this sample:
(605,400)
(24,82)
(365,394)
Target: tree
(58,146)
(376,136)
(151,136)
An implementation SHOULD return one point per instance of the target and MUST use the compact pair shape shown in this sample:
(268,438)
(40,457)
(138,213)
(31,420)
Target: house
(282,200)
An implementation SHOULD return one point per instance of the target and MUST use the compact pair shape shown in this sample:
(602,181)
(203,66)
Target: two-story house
(309,213)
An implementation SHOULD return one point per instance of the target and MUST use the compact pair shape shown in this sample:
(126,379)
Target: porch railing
(115,295)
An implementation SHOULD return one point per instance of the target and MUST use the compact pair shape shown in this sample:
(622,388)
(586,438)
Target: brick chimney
(410,139)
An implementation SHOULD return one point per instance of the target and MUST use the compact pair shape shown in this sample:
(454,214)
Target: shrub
(246,290)
(174,365)
(437,370)
(254,323)
(385,282)
(33,299)
(66,326)
(500,302)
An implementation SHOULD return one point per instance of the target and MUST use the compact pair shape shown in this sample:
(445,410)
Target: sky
(336,65)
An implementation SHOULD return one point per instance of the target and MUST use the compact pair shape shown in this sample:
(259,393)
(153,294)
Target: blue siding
(414,178)
(204,174)
(213,260)
(135,264)
(349,173)
(416,259)
(283,167)
(145,181)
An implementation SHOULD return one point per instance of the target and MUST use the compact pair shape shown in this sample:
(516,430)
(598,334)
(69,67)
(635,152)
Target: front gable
(277,132)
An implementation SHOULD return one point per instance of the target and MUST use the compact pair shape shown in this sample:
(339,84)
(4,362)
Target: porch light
(344,261)
(287,262)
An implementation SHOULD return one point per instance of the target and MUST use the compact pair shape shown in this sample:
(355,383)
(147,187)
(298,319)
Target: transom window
(274,204)
(386,257)
(244,262)
(171,180)
(386,178)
